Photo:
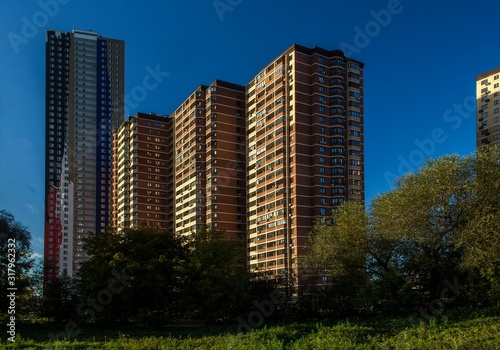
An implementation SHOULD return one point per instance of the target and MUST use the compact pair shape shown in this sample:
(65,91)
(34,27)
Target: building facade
(141,193)
(84,102)
(488,108)
(305,141)
(209,160)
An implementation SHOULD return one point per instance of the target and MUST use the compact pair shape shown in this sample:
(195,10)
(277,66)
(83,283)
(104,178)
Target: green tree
(425,216)
(481,236)
(60,298)
(216,280)
(338,251)
(15,260)
(135,273)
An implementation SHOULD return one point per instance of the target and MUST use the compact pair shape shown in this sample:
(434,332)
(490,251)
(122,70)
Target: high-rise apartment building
(84,102)
(141,190)
(305,142)
(209,160)
(488,108)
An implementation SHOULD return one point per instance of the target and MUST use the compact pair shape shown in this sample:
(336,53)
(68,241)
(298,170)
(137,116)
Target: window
(353,65)
(354,94)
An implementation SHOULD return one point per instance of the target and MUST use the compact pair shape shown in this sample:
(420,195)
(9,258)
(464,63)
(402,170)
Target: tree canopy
(437,225)
(15,258)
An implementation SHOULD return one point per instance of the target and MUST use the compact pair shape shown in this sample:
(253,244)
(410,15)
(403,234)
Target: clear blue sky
(420,65)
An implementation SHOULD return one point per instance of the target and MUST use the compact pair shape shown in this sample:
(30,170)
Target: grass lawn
(475,331)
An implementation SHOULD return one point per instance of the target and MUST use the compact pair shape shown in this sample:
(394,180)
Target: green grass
(478,331)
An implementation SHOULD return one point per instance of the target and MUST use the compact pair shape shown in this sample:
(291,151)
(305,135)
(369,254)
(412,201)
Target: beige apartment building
(209,160)
(488,108)
(305,141)
(141,188)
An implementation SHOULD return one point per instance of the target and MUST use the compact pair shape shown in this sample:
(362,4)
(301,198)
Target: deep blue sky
(419,66)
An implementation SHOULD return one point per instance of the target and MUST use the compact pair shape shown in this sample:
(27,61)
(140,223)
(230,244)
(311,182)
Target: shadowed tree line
(142,276)
(147,275)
